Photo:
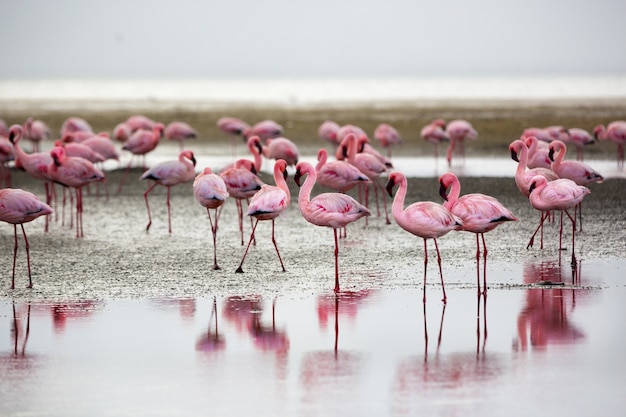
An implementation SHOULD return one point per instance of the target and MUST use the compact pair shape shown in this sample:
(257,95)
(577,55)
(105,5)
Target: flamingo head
(189,155)
(302,169)
(58,154)
(394,178)
(15,133)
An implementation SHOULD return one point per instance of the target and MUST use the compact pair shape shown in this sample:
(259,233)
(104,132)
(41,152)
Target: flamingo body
(210,191)
(338,175)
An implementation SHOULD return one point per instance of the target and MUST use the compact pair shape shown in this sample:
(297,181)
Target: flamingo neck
(397,208)
(304,196)
(280,182)
(322,157)
(453,195)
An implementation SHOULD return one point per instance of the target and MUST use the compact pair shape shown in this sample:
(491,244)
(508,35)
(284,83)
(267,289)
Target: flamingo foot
(239,270)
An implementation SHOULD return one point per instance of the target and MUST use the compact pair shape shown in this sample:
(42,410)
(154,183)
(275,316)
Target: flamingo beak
(389,187)
(551,154)
(443,191)
(514,155)
(297,177)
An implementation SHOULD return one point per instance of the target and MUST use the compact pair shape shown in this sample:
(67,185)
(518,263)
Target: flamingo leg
(79,212)
(14,255)
(482,235)
(240,215)
(145,197)
(214,232)
(126,171)
(239,269)
(561,232)
(27,246)
(532,238)
(573,219)
(169,211)
(336,261)
(477,263)
(445,298)
(382,192)
(276,247)
(425,266)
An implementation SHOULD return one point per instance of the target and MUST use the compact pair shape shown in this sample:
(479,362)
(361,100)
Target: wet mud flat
(118,258)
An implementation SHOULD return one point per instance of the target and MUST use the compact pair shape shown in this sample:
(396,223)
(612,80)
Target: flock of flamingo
(543,175)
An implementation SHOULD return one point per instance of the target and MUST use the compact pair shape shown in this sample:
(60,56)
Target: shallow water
(551,350)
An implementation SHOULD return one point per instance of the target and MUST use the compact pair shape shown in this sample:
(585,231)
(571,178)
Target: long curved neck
(397,208)
(559,151)
(453,195)
(258,160)
(280,182)
(304,196)
(322,157)
(19,152)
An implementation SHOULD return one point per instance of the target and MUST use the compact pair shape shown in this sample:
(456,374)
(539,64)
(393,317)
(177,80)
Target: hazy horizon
(242,39)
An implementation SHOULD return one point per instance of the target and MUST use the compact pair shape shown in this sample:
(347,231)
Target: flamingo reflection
(322,372)
(16,361)
(452,375)
(20,330)
(211,341)
(61,313)
(544,320)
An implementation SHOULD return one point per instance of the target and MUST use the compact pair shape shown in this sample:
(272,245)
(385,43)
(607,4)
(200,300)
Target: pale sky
(321,38)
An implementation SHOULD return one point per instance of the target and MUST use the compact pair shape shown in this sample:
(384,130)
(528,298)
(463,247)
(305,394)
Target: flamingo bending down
(524,175)
(338,175)
(36,131)
(435,133)
(334,210)
(168,174)
(537,153)
(425,219)
(73,172)
(75,124)
(387,135)
(265,129)
(328,132)
(459,130)
(267,204)
(18,207)
(561,194)
(281,148)
(579,172)
(479,213)
(210,191)
(35,164)
(179,132)
(580,138)
(614,132)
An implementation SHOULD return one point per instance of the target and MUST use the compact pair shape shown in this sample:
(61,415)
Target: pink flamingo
(425,219)
(334,210)
(267,204)
(265,129)
(459,130)
(614,132)
(242,183)
(479,214)
(121,132)
(140,143)
(35,164)
(232,125)
(80,150)
(580,138)
(435,133)
(210,191)
(18,207)
(370,166)
(281,148)
(537,153)
(6,155)
(561,194)
(102,144)
(328,132)
(75,124)
(388,136)
(524,175)
(180,131)
(36,131)
(338,175)
(73,172)
(138,122)
(538,132)
(169,174)
(579,172)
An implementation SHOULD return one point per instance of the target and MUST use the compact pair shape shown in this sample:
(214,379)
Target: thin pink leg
(336,262)
(443,288)
(239,269)
(276,247)
(145,197)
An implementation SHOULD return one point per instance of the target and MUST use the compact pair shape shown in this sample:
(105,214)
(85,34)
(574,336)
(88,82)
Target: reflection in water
(444,376)
(544,317)
(211,341)
(19,330)
(61,313)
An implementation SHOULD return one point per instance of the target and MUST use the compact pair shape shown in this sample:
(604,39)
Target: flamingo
(614,132)
(121,132)
(580,138)
(169,174)
(537,153)
(232,125)
(73,172)
(479,213)
(180,131)
(459,130)
(102,144)
(435,133)
(75,124)
(210,191)
(138,122)
(561,194)
(579,172)
(328,132)
(6,155)
(387,135)
(425,219)
(18,206)
(524,175)
(265,129)
(80,150)
(267,204)
(36,131)
(370,166)
(281,148)
(338,175)
(35,164)
(140,143)
(334,210)
(242,183)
